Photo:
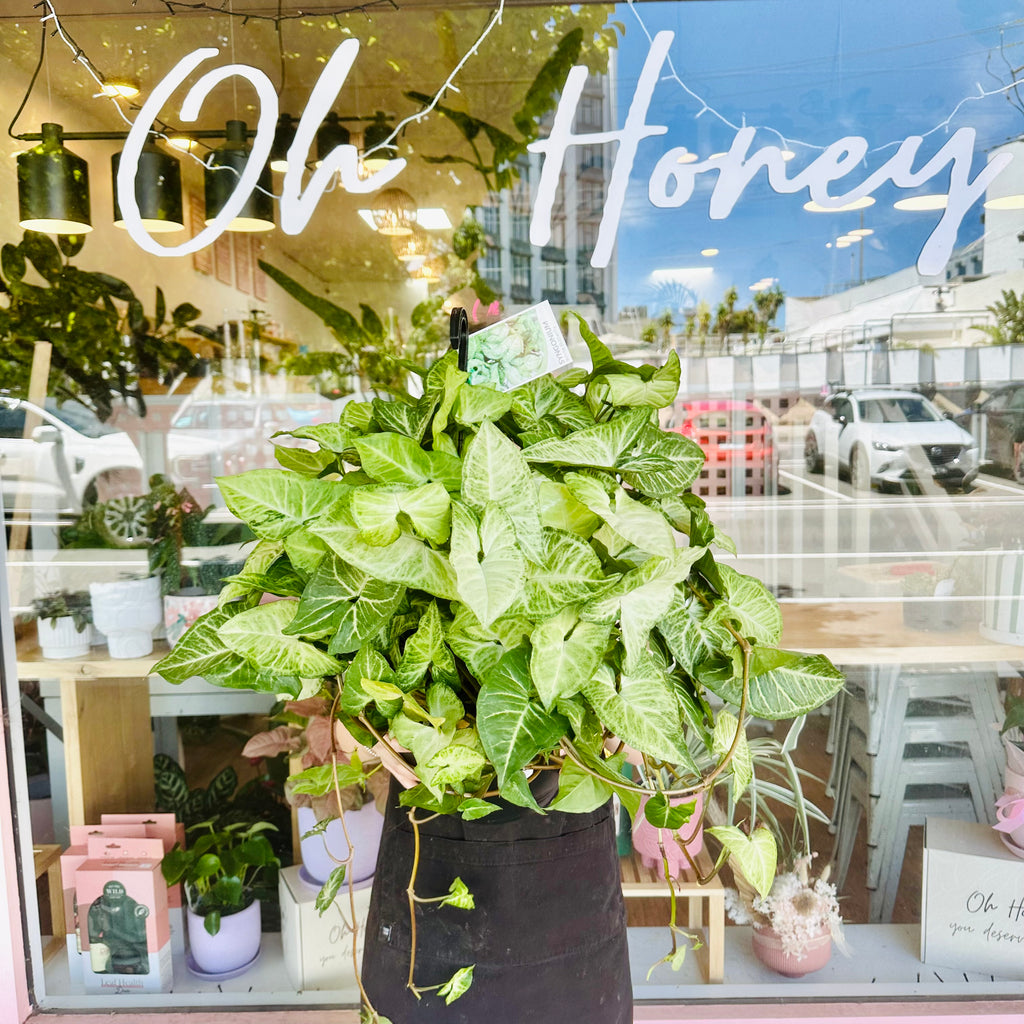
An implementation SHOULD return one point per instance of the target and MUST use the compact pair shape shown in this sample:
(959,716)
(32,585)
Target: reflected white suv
(888,437)
(69,458)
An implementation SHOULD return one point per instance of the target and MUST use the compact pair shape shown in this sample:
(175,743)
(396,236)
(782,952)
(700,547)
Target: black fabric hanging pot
(548,935)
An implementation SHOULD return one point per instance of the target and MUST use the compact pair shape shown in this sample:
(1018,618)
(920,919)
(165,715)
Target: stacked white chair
(908,743)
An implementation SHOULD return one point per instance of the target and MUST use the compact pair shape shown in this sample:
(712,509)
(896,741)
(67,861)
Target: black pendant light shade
(53,187)
(331,134)
(376,155)
(157,191)
(284,136)
(224,167)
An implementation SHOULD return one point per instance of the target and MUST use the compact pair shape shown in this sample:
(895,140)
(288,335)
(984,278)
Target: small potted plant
(796,922)
(305,733)
(219,870)
(63,620)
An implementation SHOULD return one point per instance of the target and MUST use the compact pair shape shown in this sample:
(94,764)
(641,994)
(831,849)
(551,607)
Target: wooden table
(873,633)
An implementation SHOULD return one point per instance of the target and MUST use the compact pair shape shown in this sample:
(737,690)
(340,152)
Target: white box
(972,908)
(318,949)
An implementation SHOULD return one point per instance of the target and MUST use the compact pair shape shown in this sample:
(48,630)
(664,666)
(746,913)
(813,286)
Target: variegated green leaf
(426,649)
(478,403)
(692,635)
(201,651)
(661,465)
(408,560)
(479,648)
(642,526)
(565,654)
(459,895)
(274,502)
(754,855)
(488,563)
(495,472)
(455,765)
(331,437)
(742,765)
(561,510)
(642,711)
(457,985)
(344,602)
(579,792)
(403,417)
(600,446)
(367,664)
(803,685)
(258,562)
(257,635)
(301,460)
(568,572)
(304,551)
(328,893)
(658,392)
(376,511)
(513,726)
(391,458)
(750,603)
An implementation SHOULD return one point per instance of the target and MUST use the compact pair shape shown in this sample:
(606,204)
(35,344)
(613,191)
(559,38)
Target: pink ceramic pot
(768,949)
(181,610)
(645,839)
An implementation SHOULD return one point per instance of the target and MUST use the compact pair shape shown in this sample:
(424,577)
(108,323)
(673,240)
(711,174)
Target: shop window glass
(862,426)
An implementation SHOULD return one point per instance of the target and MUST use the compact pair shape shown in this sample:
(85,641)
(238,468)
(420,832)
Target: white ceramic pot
(181,610)
(1002,610)
(127,611)
(233,947)
(321,854)
(58,638)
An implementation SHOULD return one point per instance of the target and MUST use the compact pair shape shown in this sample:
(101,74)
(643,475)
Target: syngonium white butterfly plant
(483,583)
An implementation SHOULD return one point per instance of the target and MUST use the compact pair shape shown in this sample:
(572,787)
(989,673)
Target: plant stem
(410,892)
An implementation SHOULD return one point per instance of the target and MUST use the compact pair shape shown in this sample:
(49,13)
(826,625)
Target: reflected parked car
(888,438)
(213,436)
(68,459)
(998,424)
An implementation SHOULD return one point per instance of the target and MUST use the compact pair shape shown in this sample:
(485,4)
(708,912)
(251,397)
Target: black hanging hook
(458,334)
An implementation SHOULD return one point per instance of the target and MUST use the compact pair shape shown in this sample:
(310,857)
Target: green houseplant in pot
(305,732)
(219,871)
(504,596)
(63,621)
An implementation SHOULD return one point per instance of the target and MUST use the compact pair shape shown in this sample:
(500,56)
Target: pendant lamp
(157,191)
(376,155)
(393,212)
(331,134)
(284,136)
(411,247)
(224,167)
(53,187)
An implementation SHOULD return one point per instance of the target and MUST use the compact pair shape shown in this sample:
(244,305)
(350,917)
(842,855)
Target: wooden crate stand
(650,883)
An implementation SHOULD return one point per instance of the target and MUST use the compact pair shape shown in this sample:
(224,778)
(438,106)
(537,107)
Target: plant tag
(517,349)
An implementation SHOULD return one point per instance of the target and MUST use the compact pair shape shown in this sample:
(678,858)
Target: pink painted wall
(14,1004)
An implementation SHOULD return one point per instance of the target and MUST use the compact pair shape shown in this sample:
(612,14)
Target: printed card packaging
(124,928)
(76,854)
(972,915)
(318,949)
(517,349)
(162,826)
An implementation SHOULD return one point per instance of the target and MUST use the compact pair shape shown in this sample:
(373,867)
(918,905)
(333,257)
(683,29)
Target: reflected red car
(739,443)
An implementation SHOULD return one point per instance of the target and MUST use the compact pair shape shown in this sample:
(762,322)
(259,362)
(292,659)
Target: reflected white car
(68,459)
(888,438)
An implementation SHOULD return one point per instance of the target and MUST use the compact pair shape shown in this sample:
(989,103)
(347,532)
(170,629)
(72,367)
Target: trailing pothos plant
(487,585)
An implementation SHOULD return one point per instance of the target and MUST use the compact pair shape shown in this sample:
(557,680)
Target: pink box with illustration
(124,928)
